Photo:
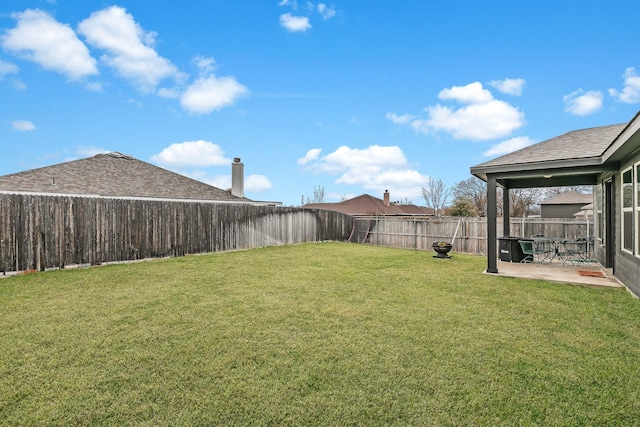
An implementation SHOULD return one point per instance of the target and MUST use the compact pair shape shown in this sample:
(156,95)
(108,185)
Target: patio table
(575,251)
(561,250)
(546,248)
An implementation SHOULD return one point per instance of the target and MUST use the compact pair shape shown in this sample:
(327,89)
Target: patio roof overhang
(547,174)
(567,172)
(553,163)
(574,158)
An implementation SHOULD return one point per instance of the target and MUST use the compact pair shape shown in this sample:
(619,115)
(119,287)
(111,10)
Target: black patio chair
(527,250)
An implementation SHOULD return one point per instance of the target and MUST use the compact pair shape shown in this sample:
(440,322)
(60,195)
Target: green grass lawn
(315,334)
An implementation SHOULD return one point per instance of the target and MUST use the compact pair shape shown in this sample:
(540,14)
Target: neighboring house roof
(586,212)
(569,198)
(369,205)
(112,175)
(414,210)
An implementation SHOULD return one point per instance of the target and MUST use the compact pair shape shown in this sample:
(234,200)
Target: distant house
(606,157)
(585,213)
(565,205)
(118,175)
(366,205)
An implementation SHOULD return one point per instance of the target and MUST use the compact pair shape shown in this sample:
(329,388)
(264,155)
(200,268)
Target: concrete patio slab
(591,274)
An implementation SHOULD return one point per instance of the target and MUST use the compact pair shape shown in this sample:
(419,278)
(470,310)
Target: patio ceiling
(547,175)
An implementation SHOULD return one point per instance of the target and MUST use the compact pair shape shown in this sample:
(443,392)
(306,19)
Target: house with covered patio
(606,157)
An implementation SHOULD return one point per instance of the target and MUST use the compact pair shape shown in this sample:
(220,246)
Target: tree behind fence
(39,232)
(470,233)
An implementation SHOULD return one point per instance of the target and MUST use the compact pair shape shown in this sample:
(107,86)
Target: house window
(599,216)
(627,210)
(637,209)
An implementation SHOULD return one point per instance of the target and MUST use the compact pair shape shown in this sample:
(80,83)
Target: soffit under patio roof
(574,158)
(552,174)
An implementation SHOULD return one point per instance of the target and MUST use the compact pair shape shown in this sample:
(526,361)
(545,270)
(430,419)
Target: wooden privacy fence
(39,232)
(470,233)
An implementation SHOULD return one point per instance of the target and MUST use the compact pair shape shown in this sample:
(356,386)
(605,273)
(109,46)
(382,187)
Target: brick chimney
(386,198)
(237,178)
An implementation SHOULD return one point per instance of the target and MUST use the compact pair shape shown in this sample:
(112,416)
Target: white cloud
(211,93)
(473,93)
(508,146)
(169,93)
(398,178)
(311,155)
(581,103)
(294,23)
(129,49)
(220,181)
(333,196)
(7,68)
(509,86)
(483,118)
(372,159)
(631,91)
(23,126)
(38,37)
(191,154)
(327,12)
(375,168)
(399,119)
(208,93)
(490,120)
(89,150)
(205,64)
(94,87)
(257,183)
(300,19)
(19,85)
(252,183)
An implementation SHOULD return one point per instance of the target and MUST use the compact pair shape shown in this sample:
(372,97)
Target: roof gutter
(613,151)
(542,169)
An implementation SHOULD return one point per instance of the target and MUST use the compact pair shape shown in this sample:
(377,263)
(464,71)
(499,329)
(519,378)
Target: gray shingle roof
(569,198)
(112,175)
(369,205)
(577,144)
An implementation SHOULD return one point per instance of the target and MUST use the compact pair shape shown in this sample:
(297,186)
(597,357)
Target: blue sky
(355,96)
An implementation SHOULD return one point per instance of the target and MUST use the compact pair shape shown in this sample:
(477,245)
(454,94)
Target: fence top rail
(554,220)
(152,199)
(395,216)
(473,219)
(403,217)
